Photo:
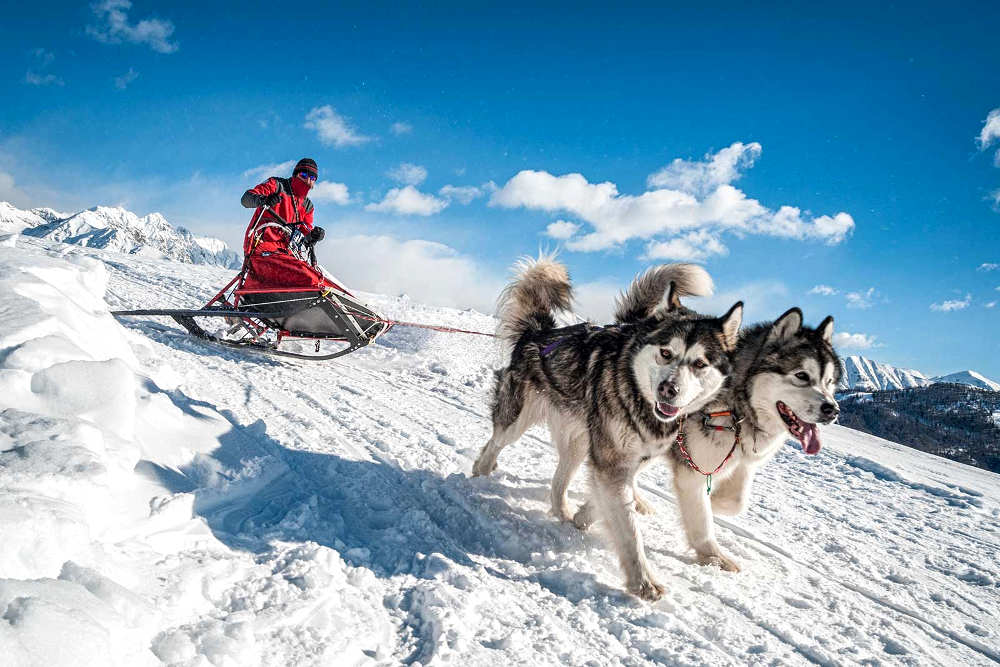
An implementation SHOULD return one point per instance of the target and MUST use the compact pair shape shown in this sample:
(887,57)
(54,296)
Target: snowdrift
(165,501)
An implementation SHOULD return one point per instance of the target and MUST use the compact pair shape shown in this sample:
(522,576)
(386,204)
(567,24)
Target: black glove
(316,235)
(270,200)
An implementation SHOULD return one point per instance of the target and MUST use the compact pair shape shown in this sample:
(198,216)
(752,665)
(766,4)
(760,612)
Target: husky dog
(783,381)
(614,394)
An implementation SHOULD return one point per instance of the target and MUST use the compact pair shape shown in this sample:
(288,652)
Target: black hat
(306,164)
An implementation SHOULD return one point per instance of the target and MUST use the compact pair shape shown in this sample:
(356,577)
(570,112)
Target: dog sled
(318,322)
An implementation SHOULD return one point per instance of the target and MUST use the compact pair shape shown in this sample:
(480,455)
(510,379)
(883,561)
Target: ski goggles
(306,176)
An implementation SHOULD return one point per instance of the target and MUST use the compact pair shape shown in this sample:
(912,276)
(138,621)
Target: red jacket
(295,209)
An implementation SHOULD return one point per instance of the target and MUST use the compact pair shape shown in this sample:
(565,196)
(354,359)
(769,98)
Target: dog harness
(735,428)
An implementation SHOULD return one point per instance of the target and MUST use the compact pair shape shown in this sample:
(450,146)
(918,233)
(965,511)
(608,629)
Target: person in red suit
(269,257)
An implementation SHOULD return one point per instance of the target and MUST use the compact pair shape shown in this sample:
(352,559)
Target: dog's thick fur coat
(611,394)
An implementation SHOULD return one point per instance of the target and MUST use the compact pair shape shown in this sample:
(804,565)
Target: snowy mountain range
(862,374)
(119,230)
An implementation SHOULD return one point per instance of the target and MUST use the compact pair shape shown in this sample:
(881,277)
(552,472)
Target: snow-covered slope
(861,374)
(114,228)
(163,500)
(971,378)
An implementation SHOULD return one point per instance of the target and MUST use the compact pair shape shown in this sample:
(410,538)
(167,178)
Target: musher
(270,259)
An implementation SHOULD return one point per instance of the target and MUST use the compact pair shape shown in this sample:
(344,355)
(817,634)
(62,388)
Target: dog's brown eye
(700,363)
(666,354)
(802,376)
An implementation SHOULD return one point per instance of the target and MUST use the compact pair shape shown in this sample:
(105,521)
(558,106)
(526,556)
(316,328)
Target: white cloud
(427,271)
(408,174)
(36,76)
(330,191)
(990,304)
(955,304)
(121,82)
(618,218)
(702,177)
(988,266)
(561,229)
(853,341)
(332,128)
(113,27)
(692,247)
(991,129)
(824,290)
(259,173)
(9,192)
(408,201)
(862,300)
(401,128)
(464,194)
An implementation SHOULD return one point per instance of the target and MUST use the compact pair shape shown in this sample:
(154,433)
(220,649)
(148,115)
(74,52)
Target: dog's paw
(584,517)
(643,507)
(718,560)
(647,589)
(482,467)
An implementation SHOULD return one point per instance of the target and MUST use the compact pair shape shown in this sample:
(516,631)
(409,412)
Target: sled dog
(782,383)
(613,394)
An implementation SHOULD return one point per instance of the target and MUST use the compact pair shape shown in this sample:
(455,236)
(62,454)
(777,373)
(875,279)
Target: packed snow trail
(216,507)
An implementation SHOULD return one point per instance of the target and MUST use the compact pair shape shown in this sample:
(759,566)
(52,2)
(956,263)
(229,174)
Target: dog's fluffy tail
(539,289)
(649,291)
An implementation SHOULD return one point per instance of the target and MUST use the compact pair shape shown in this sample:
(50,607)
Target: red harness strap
(687,455)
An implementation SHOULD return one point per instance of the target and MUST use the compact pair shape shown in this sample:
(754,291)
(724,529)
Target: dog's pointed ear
(671,301)
(731,322)
(826,329)
(785,326)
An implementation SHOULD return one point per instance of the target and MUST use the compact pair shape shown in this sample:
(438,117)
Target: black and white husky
(613,394)
(782,383)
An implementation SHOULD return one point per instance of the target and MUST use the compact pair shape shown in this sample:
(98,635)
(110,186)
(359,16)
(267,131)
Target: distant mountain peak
(863,374)
(118,229)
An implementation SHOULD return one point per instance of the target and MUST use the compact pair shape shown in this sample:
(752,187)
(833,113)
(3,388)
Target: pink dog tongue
(810,438)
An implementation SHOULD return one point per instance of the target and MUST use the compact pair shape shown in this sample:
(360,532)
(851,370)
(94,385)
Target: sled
(297,322)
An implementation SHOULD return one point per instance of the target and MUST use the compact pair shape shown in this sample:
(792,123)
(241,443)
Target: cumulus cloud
(9,191)
(408,201)
(332,128)
(408,174)
(862,300)
(990,304)
(692,247)
(954,304)
(988,266)
(699,201)
(330,191)
(853,341)
(561,229)
(113,27)
(463,194)
(823,290)
(400,128)
(259,173)
(36,74)
(427,271)
(122,82)
(702,177)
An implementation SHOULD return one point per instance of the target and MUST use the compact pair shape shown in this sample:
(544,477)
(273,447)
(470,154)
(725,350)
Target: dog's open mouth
(666,412)
(803,431)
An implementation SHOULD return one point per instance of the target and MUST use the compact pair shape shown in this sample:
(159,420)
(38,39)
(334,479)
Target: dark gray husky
(614,394)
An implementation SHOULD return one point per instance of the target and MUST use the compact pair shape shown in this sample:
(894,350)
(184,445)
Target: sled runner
(294,321)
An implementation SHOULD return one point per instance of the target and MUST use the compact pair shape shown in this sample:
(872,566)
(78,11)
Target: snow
(971,378)
(115,228)
(862,374)
(166,501)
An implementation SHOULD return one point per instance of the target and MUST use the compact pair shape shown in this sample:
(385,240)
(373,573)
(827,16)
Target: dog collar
(687,456)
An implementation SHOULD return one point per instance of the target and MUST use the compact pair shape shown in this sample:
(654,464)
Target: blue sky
(835,158)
